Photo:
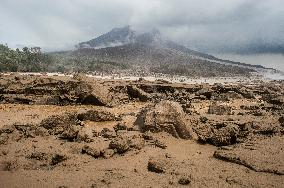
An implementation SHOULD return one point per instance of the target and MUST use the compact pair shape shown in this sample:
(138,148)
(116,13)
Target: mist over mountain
(250,48)
(258,48)
(124,50)
(116,37)
(235,26)
(153,38)
(122,36)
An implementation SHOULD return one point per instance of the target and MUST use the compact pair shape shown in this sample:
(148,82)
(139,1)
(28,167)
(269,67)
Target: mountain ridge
(126,35)
(150,53)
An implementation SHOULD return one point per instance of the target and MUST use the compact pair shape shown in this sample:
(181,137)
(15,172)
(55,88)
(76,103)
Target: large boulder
(95,94)
(166,116)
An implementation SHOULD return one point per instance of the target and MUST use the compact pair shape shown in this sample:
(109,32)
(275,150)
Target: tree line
(33,60)
(23,60)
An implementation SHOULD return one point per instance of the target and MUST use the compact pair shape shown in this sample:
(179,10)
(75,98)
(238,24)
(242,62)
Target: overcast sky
(207,25)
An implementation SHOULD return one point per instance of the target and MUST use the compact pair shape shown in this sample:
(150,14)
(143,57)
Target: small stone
(57,158)
(4,152)
(120,126)
(108,153)
(84,135)
(94,152)
(7,165)
(106,133)
(220,109)
(281,121)
(160,144)
(4,138)
(70,133)
(97,116)
(148,136)
(184,180)
(203,119)
(159,164)
(7,129)
(37,156)
(120,144)
(137,143)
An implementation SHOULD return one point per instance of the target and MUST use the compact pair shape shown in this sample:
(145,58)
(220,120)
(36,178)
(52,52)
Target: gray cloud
(207,25)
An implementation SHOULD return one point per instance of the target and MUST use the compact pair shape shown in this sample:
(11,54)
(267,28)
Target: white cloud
(203,24)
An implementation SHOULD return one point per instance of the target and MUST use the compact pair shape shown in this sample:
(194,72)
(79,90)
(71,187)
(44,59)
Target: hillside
(124,50)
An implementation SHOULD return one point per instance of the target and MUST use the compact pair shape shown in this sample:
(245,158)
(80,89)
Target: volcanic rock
(219,109)
(159,164)
(93,151)
(57,158)
(165,116)
(57,124)
(184,180)
(259,155)
(98,116)
(135,92)
(120,144)
(219,136)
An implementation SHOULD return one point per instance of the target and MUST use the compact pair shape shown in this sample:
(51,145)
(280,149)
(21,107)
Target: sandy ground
(84,145)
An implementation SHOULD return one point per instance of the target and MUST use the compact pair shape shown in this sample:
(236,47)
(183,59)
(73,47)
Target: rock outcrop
(218,135)
(166,116)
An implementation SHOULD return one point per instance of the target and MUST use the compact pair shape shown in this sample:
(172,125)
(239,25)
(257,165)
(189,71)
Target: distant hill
(123,49)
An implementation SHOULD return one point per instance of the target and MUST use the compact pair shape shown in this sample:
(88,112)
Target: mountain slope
(148,53)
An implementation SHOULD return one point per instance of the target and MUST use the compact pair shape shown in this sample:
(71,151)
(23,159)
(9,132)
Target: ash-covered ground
(89,132)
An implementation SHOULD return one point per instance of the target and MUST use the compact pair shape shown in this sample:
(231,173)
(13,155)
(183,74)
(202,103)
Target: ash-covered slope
(116,37)
(150,53)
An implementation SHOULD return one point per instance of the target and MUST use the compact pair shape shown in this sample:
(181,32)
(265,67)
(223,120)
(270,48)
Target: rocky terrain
(86,132)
